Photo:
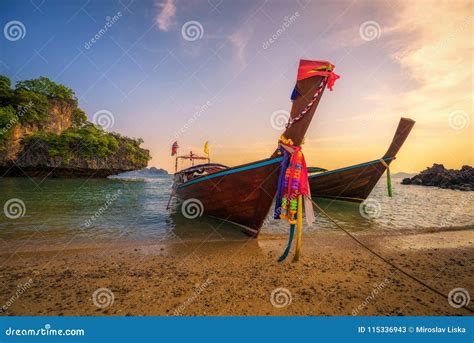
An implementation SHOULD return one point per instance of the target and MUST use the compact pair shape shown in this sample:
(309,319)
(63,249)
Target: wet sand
(334,277)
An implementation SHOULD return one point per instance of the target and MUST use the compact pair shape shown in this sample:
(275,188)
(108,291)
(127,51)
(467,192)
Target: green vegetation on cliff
(89,142)
(30,102)
(32,106)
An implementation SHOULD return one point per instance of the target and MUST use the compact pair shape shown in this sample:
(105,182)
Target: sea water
(57,211)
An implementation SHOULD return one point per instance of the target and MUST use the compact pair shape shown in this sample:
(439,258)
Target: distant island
(403,175)
(439,176)
(43,132)
(151,172)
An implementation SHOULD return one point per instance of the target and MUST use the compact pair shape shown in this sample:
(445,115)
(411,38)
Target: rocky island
(439,176)
(151,172)
(43,132)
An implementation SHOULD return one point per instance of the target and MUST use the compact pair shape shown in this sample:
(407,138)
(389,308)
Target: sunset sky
(225,79)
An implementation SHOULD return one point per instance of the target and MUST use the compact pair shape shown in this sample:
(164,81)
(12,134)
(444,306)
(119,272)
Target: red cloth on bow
(309,68)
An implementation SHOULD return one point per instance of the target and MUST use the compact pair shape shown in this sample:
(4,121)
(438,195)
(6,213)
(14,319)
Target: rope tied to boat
(328,79)
(376,254)
(389,180)
(291,121)
(293,191)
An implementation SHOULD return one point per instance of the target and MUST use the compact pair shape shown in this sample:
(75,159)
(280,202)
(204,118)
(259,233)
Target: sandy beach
(334,277)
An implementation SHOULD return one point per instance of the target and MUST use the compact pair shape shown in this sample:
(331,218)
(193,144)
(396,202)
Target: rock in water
(439,176)
(43,132)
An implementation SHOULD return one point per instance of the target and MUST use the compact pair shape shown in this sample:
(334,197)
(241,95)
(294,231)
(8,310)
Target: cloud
(427,76)
(438,57)
(239,41)
(167,11)
(432,43)
(434,53)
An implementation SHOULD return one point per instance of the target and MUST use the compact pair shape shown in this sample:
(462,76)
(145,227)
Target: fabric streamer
(292,188)
(294,94)
(293,184)
(281,180)
(288,246)
(389,179)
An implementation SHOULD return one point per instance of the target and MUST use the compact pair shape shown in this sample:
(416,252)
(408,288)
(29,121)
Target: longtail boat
(355,183)
(244,194)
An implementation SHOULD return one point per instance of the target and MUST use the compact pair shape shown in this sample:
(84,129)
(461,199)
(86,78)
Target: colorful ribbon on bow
(293,187)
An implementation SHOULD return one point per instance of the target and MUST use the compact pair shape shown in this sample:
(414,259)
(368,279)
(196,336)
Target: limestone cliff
(44,133)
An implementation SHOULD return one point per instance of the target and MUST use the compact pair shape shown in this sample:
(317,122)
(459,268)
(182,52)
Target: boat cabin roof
(207,167)
(316,170)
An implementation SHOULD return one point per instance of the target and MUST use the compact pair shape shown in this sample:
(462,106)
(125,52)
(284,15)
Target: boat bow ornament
(293,187)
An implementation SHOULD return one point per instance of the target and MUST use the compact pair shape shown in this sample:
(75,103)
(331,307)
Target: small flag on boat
(174,148)
(206,148)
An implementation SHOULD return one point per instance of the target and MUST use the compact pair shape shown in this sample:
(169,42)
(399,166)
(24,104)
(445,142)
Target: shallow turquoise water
(109,210)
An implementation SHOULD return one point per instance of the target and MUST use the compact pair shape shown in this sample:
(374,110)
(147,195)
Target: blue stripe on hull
(386,159)
(232,171)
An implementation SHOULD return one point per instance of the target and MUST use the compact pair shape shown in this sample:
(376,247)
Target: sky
(222,71)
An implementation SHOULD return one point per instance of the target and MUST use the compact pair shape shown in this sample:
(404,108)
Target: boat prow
(355,183)
(244,194)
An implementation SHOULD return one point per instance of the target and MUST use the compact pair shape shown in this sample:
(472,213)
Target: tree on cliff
(29,102)
(50,89)
(5,90)
(33,106)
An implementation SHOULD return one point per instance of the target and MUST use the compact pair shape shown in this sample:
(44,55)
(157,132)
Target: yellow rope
(299,228)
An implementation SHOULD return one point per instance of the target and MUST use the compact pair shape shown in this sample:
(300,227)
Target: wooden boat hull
(241,195)
(353,183)
(356,182)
